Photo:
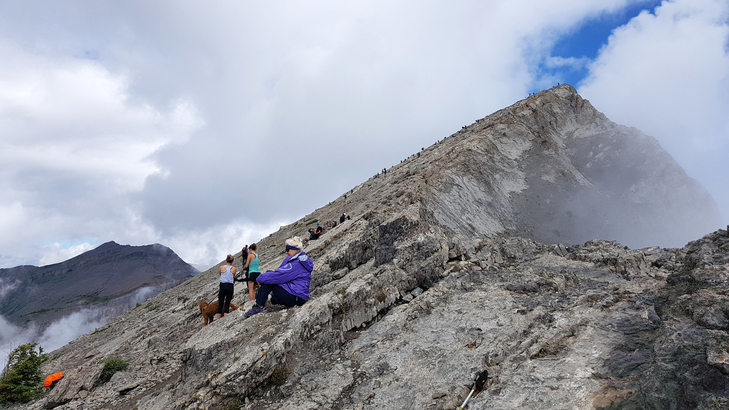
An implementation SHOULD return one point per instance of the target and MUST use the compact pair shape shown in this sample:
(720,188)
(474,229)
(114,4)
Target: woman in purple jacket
(289,283)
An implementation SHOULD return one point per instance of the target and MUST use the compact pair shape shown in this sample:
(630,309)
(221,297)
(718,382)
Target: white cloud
(68,328)
(6,286)
(668,75)
(55,253)
(210,246)
(182,123)
(11,337)
(74,146)
(569,62)
(58,333)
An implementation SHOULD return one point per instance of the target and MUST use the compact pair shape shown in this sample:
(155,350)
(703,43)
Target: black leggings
(280,296)
(224,297)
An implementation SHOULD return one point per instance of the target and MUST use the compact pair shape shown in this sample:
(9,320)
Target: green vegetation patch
(111,366)
(21,379)
(151,306)
(279,376)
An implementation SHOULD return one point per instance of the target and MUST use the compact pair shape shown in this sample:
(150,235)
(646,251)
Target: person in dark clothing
(225,294)
(244,259)
(343,218)
(244,254)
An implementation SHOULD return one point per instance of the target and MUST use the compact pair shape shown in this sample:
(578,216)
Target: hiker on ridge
(314,234)
(225,294)
(253,270)
(289,283)
(243,259)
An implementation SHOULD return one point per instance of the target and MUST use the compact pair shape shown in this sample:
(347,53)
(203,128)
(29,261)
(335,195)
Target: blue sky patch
(572,53)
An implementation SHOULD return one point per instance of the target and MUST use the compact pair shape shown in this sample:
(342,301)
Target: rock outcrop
(446,269)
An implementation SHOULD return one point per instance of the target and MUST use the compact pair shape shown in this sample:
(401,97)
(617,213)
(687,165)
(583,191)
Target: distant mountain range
(112,278)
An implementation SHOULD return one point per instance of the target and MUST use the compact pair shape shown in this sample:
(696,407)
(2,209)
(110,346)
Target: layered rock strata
(446,269)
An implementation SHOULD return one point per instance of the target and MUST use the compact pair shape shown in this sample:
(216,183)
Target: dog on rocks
(209,310)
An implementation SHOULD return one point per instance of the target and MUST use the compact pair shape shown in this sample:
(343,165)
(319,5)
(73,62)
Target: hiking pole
(481,381)
(467,398)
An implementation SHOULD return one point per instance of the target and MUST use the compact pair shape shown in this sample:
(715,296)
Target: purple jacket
(294,275)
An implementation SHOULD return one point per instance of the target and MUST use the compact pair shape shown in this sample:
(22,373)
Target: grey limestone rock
(451,265)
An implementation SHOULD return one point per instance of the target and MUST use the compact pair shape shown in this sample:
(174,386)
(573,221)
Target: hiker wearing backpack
(243,259)
(289,283)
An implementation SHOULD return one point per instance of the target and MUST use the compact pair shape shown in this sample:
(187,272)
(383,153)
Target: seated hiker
(289,284)
(313,235)
(318,229)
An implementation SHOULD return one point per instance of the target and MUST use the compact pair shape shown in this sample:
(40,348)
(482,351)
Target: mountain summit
(554,169)
(453,263)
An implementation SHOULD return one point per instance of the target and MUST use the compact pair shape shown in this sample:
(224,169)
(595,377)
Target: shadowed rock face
(106,277)
(554,169)
(428,284)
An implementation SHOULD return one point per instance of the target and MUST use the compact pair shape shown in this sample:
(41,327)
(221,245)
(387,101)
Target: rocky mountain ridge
(105,278)
(449,266)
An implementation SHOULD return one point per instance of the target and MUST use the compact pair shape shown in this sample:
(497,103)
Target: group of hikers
(288,285)
(318,230)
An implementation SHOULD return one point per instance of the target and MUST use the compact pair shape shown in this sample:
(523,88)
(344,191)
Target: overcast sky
(206,125)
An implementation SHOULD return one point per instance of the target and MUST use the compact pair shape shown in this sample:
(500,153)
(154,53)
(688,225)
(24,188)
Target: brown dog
(209,310)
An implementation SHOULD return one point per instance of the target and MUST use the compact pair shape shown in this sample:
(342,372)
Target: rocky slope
(449,266)
(106,278)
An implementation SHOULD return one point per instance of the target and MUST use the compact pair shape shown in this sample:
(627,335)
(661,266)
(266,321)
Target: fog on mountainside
(554,169)
(54,304)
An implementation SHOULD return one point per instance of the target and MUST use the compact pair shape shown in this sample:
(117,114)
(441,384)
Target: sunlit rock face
(466,257)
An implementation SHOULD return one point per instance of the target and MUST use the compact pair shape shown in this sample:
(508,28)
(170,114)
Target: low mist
(62,331)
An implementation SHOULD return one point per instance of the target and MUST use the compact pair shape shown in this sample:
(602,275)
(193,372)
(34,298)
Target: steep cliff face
(104,278)
(428,284)
(554,169)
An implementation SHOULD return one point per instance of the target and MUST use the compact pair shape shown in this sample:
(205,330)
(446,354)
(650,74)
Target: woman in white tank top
(225,295)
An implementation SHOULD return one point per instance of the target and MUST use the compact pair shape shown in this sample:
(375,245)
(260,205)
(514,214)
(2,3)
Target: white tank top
(227,276)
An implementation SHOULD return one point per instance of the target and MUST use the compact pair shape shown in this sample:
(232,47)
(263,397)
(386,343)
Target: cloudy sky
(206,125)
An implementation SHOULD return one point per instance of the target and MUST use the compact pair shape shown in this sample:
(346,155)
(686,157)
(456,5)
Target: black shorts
(252,276)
